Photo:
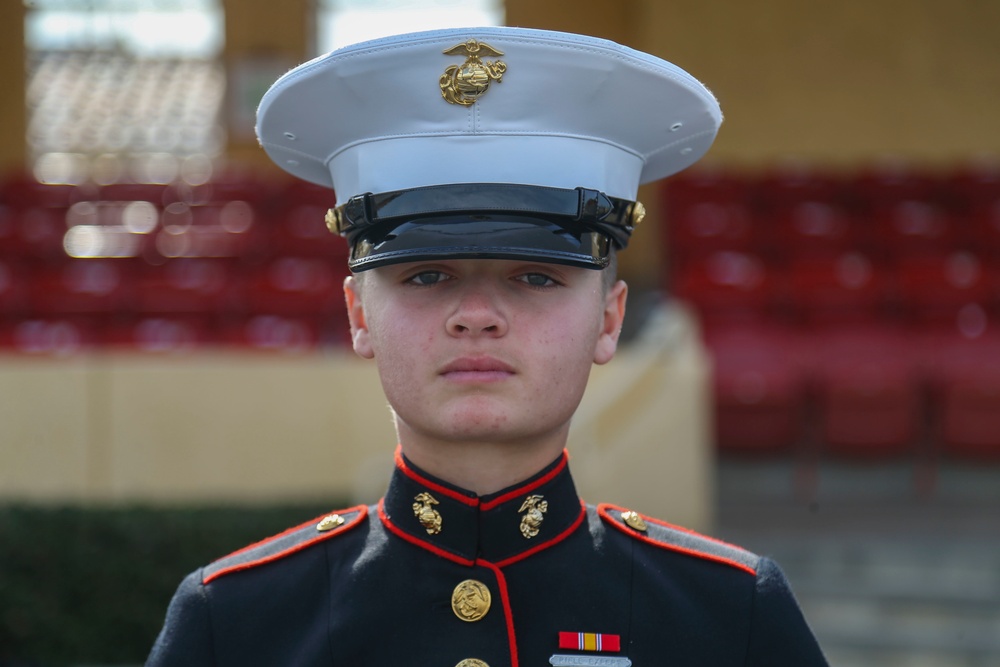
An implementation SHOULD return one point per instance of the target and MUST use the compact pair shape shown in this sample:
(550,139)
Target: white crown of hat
(569,111)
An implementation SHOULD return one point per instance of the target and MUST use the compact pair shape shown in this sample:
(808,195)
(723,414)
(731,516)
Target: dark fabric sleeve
(779,635)
(186,637)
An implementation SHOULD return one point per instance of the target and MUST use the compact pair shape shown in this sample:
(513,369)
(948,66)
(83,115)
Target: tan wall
(237,428)
(834,82)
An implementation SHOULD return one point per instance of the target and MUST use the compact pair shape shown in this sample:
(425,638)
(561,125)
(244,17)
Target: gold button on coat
(471,600)
(329,522)
(633,520)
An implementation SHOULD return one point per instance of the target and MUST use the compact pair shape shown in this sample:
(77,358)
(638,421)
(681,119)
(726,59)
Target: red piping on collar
(545,545)
(604,511)
(510,495)
(420,479)
(398,532)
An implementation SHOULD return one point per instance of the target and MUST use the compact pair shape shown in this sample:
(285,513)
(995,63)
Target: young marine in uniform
(485,179)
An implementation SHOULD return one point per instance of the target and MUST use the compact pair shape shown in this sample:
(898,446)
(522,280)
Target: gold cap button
(633,520)
(638,213)
(329,522)
(471,600)
(472,662)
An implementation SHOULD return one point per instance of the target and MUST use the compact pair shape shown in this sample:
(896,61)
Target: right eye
(426,278)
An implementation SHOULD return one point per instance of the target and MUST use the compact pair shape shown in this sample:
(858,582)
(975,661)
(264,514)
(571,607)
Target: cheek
(400,344)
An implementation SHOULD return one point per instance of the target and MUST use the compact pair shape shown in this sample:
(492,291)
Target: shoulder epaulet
(674,538)
(286,543)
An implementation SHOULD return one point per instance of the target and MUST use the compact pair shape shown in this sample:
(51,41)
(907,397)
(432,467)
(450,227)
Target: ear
(356,315)
(611,327)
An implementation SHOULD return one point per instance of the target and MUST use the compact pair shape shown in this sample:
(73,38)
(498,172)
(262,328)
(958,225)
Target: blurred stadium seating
(152,267)
(852,314)
(862,308)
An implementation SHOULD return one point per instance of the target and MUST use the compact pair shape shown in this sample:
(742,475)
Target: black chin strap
(577,208)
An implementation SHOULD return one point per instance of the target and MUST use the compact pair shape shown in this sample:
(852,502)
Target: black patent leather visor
(485,220)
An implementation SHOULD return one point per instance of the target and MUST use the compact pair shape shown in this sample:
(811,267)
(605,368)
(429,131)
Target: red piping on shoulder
(605,509)
(362,511)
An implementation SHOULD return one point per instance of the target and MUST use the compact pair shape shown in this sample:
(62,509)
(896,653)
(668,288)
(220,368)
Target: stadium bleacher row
(855,313)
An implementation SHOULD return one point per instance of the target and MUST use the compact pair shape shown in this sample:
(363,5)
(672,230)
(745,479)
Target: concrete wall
(227,427)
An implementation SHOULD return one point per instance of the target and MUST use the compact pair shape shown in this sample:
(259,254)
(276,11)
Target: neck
(480,467)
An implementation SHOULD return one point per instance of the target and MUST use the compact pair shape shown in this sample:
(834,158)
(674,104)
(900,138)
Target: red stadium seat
(914,228)
(275,333)
(703,184)
(159,334)
(23,191)
(704,228)
(966,380)
(14,281)
(810,229)
(295,286)
(845,289)
(868,391)
(83,287)
(985,228)
(728,287)
(58,337)
(793,182)
(187,286)
(944,290)
(758,389)
(36,234)
(890,181)
(272,333)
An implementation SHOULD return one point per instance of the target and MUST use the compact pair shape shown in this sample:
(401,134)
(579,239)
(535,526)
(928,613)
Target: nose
(478,312)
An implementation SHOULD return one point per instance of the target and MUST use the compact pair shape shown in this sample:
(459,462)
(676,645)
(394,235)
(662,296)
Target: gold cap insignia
(633,520)
(472,662)
(429,517)
(533,507)
(464,84)
(329,522)
(471,600)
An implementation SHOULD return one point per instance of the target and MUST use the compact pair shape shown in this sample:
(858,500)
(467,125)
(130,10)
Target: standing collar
(500,528)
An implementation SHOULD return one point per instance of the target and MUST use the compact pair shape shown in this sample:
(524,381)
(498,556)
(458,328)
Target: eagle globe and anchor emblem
(464,84)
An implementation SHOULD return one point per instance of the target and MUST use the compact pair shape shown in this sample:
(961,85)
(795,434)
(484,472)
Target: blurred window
(343,22)
(124,89)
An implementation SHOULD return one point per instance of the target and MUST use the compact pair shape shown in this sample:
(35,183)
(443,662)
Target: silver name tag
(588,661)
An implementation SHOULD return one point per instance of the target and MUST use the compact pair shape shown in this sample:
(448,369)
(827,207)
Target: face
(484,350)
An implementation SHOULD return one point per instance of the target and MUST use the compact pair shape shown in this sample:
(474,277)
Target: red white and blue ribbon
(590,641)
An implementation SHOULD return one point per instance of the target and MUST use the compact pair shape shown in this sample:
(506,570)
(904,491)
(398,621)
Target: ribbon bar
(589,641)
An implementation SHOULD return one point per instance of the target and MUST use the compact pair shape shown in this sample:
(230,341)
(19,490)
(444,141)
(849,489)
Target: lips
(477,369)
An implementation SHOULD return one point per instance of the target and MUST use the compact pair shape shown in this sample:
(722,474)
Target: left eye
(425,278)
(537,280)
